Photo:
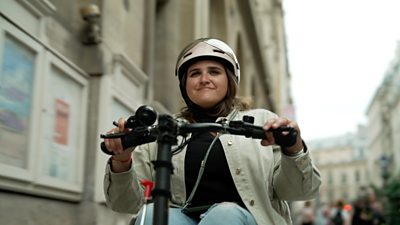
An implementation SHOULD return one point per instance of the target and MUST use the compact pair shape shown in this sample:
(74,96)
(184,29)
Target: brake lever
(114,135)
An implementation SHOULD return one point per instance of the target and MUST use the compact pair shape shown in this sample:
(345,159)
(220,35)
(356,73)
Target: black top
(216,184)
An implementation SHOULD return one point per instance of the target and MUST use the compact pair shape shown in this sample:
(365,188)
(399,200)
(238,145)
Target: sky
(338,52)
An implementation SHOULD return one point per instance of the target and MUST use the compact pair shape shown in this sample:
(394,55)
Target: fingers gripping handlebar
(284,136)
(146,133)
(138,136)
(141,130)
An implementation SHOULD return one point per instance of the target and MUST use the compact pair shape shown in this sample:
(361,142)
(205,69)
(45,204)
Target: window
(20,59)
(330,177)
(62,126)
(357,176)
(16,88)
(43,103)
(344,178)
(123,90)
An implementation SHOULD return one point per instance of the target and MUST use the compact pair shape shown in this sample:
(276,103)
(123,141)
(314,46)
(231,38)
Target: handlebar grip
(125,144)
(257,134)
(287,140)
(104,149)
(280,139)
(135,138)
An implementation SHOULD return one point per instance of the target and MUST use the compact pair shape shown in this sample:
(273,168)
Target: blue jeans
(225,213)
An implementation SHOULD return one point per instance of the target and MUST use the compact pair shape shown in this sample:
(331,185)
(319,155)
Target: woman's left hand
(282,122)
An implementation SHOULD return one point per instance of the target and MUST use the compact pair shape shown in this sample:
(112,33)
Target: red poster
(61,122)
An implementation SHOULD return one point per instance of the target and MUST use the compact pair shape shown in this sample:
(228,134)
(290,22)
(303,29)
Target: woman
(242,181)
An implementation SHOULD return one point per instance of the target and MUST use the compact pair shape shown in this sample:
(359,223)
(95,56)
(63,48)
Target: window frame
(11,171)
(52,60)
(30,180)
(125,85)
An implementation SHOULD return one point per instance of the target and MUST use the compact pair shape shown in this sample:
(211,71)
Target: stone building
(342,162)
(384,126)
(69,68)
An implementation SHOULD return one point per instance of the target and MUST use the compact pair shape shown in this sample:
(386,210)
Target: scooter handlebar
(284,136)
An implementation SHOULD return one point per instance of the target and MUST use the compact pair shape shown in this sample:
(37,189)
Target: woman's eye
(194,73)
(215,72)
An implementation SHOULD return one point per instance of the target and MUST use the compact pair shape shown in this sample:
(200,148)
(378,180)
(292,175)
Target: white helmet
(206,48)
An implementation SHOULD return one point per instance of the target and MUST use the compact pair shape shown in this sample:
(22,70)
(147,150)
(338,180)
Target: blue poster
(16,82)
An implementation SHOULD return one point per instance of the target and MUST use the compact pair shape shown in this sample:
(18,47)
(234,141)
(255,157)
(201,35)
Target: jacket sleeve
(123,191)
(296,178)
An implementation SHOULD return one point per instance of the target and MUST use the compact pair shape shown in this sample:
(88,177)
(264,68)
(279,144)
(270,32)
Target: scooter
(142,130)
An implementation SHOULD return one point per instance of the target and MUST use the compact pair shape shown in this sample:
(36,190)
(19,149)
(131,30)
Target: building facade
(70,68)
(384,126)
(342,162)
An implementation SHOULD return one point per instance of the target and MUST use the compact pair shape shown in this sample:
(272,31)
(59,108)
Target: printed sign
(61,124)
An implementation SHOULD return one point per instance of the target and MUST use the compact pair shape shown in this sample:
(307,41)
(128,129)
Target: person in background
(217,179)
(339,216)
(326,215)
(307,214)
(367,209)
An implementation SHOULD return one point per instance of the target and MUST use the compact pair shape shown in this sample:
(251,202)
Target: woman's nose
(205,77)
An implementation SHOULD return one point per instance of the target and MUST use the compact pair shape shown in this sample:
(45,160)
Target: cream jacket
(264,177)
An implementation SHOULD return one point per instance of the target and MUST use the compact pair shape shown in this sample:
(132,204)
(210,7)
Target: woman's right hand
(121,160)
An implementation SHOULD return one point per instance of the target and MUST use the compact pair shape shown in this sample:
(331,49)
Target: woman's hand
(282,122)
(121,160)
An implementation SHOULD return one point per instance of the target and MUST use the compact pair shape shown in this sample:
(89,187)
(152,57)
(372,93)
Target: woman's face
(206,83)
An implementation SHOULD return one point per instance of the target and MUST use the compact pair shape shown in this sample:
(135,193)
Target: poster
(62,119)
(16,88)
(61,123)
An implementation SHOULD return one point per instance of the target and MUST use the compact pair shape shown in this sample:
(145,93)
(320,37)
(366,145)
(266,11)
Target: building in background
(342,162)
(384,139)
(69,68)
(351,163)
(384,126)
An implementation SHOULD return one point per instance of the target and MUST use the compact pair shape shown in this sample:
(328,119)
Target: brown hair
(223,108)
